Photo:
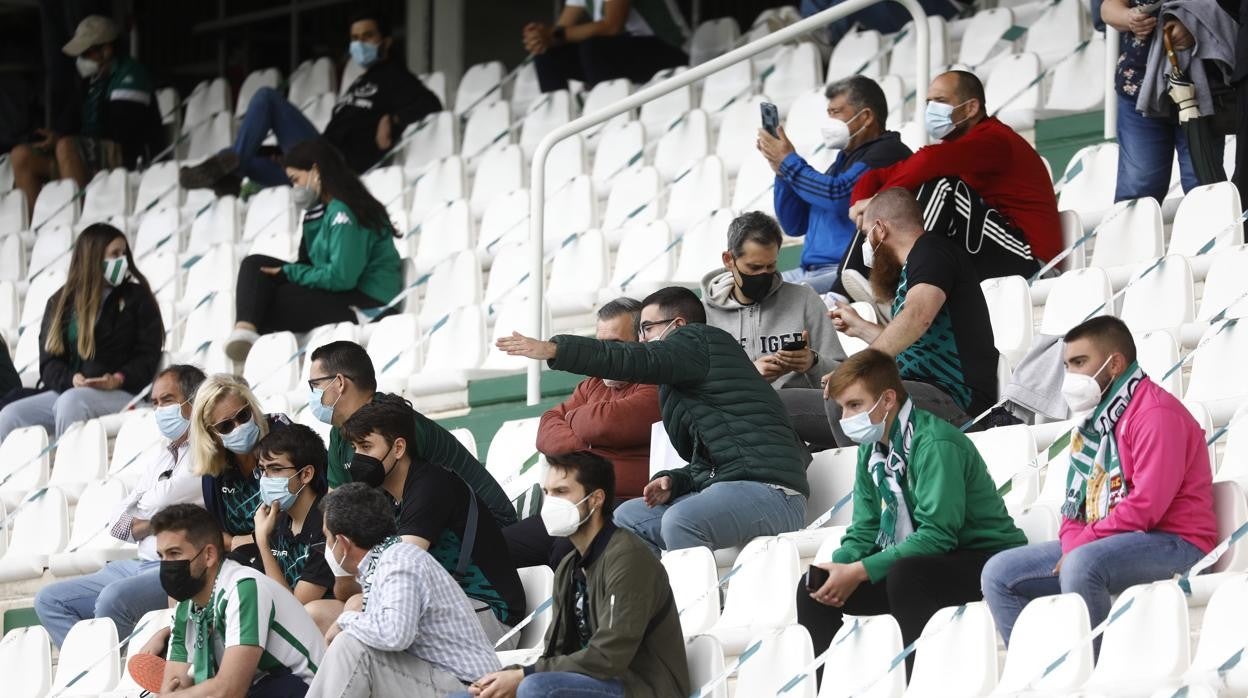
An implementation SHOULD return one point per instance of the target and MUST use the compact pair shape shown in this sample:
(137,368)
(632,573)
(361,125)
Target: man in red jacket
(981,183)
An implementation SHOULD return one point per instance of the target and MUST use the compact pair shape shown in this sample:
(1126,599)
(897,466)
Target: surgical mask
(367,469)
(561,517)
(170,422)
(662,334)
(868,251)
(304,197)
(334,565)
(277,489)
(861,430)
(176,578)
(364,53)
(87,68)
(242,438)
(1082,393)
(836,135)
(115,270)
(755,286)
(614,383)
(939,119)
(323,413)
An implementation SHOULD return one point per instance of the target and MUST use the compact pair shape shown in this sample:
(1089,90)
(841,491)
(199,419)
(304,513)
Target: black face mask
(176,578)
(755,286)
(367,469)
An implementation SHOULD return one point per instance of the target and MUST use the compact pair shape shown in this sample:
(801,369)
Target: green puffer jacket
(720,414)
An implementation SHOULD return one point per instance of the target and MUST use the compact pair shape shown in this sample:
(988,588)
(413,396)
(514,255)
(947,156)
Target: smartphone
(771,118)
(794,345)
(816,577)
(1148,9)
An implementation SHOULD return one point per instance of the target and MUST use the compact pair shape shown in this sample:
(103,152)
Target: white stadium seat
(1225,286)
(91,647)
(861,643)
(549,112)
(696,196)
(634,200)
(1010,93)
(738,130)
(723,90)
(1164,298)
(501,171)
(620,149)
(713,38)
(566,161)
(1221,638)
(24,464)
(108,194)
(450,232)
(1079,80)
(1208,220)
(796,69)
(601,96)
(1047,627)
(480,86)
(311,80)
(1147,645)
(209,137)
(1130,233)
(1075,296)
(214,227)
(256,79)
(695,586)
(705,658)
(57,204)
(90,545)
(644,261)
(81,458)
(489,126)
(504,222)
(1057,32)
(272,366)
(206,100)
(658,114)
(855,54)
(684,145)
(752,605)
(440,183)
(40,528)
(1008,452)
(1009,311)
(579,269)
(270,211)
(781,657)
(453,284)
(902,60)
(428,140)
(1219,379)
(959,656)
(1088,183)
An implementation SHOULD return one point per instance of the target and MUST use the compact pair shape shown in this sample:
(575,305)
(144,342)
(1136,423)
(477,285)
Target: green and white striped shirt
(250,609)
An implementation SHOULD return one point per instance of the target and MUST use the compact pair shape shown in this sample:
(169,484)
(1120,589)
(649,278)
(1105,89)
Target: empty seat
(620,149)
(831,478)
(1130,234)
(512,458)
(207,99)
(440,183)
(138,440)
(578,271)
(214,227)
(1162,298)
(538,585)
(158,187)
(804,127)
(272,366)
(501,171)
(1079,80)
(525,89)
(984,32)
(738,130)
(706,661)
(1207,220)
(454,284)
(256,79)
(1219,379)
(795,70)
(1010,452)
(208,321)
(902,61)
(864,644)
(696,196)
(488,127)
(1087,185)
(159,229)
(1225,286)
(754,189)
(713,38)
(24,464)
(644,261)
(1009,311)
(1076,295)
(857,53)
(428,140)
(310,80)
(13,214)
(40,529)
(1056,33)
(781,657)
(453,348)
(601,96)
(703,247)
(1231,509)
(754,604)
(451,232)
(723,90)
(695,588)
(509,274)
(214,271)
(209,138)
(57,204)
(1222,639)
(1145,646)
(88,664)
(480,85)
(51,250)
(387,186)
(90,545)
(960,655)
(319,110)
(1156,352)
(684,145)
(1046,629)
(107,195)
(565,162)
(1013,91)
(270,211)
(658,114)
(505,222)
(508,317)
(26,660)
(395,351)
(551,111)
(81,458)
(633,201)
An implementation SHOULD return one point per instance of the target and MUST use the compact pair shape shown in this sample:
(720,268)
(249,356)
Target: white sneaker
(857,286)
(238,346)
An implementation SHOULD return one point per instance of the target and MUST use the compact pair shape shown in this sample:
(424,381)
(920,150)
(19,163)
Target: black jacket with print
(386,88)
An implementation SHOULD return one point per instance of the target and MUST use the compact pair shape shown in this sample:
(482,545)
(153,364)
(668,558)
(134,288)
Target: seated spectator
(120,118)
(1139,493)
(368,119)
(982,185)
(614,628)
(747,469)
(611,419)
(600,40)
(290,543)
(235,632)
(816,204)
(927,515)
(940,333)
(10,380)
(439,512)
(342,381)
(416,633)
(99,342)
(347,258)
(885,17)
(124,590)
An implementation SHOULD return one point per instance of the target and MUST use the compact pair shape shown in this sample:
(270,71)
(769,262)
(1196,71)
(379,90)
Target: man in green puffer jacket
(747,468)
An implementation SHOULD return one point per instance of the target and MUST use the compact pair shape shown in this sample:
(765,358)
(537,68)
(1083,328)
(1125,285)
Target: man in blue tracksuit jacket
(816,204)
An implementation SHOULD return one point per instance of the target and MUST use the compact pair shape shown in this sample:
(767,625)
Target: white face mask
(663,334)
(861,430)
(836,135)
(1082,393)
(868,251)
(613,383)
(938,118)
(561,517)
(334,565)
(87,68)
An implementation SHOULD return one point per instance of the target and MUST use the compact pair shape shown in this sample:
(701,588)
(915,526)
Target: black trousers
(530,545)
(913,591)
(274,304)
(601,58)
(1240,178)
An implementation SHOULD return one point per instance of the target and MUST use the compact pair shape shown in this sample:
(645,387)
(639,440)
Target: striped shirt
(250,609)
(415,606)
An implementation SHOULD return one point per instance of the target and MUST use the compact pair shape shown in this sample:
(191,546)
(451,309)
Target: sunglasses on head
(228,424)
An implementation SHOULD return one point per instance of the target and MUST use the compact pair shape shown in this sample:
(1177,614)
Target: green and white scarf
(1094,483)
(370,567)
(888,469)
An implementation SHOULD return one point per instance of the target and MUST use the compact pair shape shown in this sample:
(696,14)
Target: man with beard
(940,333)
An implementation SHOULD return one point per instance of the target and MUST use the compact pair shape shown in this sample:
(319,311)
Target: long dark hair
(339,182)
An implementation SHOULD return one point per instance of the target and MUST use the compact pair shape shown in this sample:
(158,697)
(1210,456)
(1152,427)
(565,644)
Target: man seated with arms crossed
(437,511)
(235,631)
(416,633)
(342,381)
(747,471)
(1139,492)
(609,418)
(615,629)
(927,515)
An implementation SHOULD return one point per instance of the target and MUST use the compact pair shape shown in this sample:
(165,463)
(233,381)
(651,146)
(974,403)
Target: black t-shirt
(435,507)
(302,555)
(957,353)
(385,88)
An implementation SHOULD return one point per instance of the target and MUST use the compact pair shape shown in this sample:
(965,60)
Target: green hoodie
(345,256)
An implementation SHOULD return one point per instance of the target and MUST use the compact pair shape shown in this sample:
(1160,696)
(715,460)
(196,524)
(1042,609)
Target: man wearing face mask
(124,590)
(120,120)
(367,122)
(235,632)
(927,515)
(981,184)
(816,204)
(615,628)
(1139,494)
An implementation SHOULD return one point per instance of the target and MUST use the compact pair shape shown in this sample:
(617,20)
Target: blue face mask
(277,489)
(861,429)
(364,53)
(243,438)
(170,422)
(939,119)
(323,413)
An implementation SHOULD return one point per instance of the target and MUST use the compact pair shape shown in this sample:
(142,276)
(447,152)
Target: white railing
(1111,96)
(537,190)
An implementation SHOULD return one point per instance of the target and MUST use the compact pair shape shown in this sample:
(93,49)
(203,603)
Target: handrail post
(1111,95)
(537,173)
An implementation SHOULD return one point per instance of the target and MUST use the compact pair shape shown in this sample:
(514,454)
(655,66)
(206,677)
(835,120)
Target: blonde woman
(100,342)
(226,426)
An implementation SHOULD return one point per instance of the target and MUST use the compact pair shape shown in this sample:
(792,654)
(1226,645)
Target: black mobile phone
(816,577)
(771,118)
(794,345)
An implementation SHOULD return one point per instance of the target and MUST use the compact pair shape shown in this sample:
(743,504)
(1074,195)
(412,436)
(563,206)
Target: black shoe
(207,173)
(998,417)
(229,185)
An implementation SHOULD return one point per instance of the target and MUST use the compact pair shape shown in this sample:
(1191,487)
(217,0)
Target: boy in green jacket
(927,515)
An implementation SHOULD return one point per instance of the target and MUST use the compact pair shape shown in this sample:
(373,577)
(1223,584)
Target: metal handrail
(537,179)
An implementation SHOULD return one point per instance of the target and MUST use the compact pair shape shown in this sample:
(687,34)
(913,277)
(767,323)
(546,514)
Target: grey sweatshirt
(779,317)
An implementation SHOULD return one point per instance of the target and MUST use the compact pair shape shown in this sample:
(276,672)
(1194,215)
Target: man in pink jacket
(1139,492)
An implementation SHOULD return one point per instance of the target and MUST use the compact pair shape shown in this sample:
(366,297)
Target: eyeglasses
(275,469)
(313,382)
(647,326)
(228,424)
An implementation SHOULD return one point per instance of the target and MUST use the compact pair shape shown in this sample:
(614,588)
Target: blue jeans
(1094,571)
(721,516)
(821,277)
(268,111)
(1146,148)
(123,590)
(884,17)
(561,684)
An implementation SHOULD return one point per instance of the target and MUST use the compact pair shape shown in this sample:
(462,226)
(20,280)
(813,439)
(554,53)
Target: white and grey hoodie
(779,317)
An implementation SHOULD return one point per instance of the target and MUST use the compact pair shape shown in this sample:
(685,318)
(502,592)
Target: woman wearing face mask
(100,341)
(347,258)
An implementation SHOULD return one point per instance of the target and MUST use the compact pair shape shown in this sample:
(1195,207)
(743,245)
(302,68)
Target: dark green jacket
(720,414)
(952,499)
(345,256)
(636,634)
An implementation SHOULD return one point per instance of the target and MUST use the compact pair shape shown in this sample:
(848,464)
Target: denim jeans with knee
(268,111)
(123,590)
(720,516)
(1146,148)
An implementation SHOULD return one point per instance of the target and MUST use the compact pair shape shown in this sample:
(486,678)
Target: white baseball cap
(92,31)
